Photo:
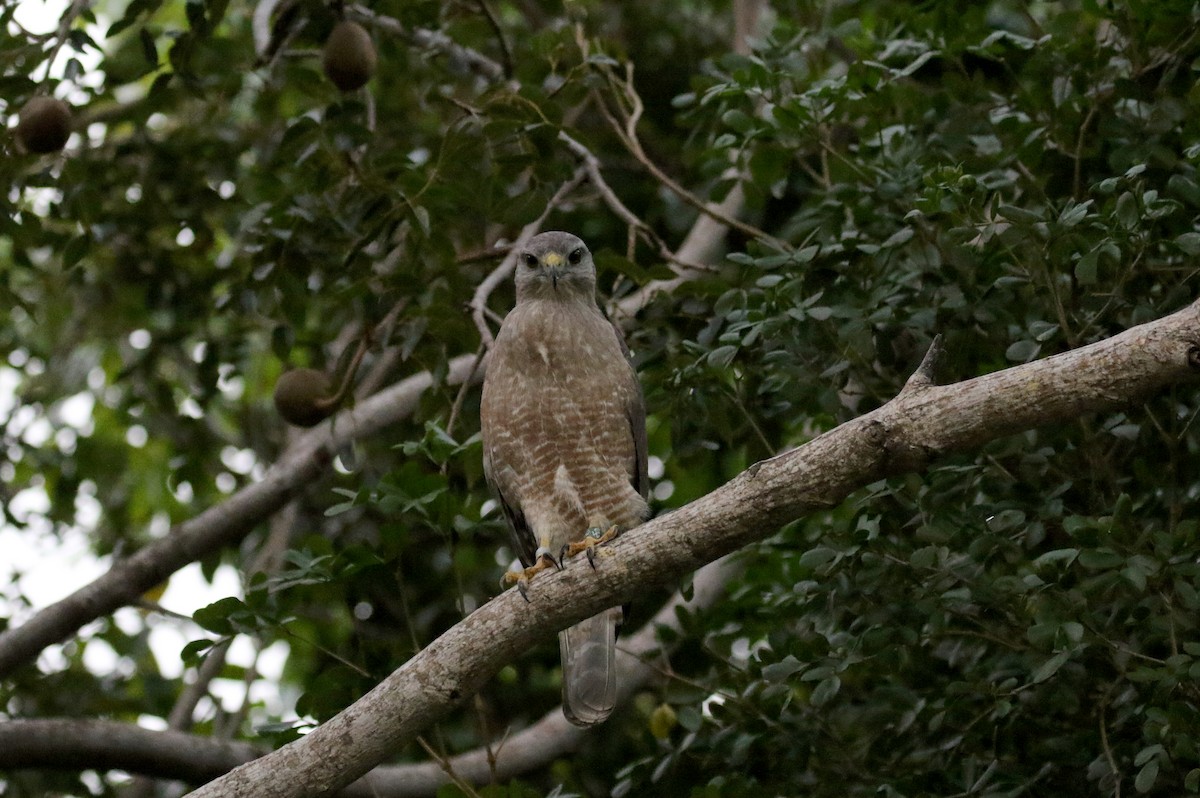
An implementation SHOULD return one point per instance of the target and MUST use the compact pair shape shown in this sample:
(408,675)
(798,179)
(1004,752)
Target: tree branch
(433,40)
(306,459)
(85,744)
(904,435)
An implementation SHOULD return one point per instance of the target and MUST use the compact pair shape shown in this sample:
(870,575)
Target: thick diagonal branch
(906,434)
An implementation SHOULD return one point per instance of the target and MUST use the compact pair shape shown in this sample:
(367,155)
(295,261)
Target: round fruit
(44,125)
(349,58)
(304,397)
(662,721)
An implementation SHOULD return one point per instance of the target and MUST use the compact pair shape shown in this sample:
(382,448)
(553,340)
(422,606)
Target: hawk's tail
(589,661)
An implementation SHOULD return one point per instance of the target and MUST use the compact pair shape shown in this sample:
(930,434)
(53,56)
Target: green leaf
(216,616)
(149,49)
(422,217)
(1073,213)
(1128,210)
(1022,351)
(193,653)
(901,236)
(739,121)
(1189,243)
(825,691)
(1050,667)
(722,356)
(1146,777)
(1016,214)
(1086,270)
(782,670)
(1058,556)
(817,557)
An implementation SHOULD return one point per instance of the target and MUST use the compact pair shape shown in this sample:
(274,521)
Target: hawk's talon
(543,556)
(591,539)
(543,559)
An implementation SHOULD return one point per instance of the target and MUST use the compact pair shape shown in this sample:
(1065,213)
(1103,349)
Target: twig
(445,763)
(456,408)
(592,164)
(702,244)
(626,131)
(434,40)
(64,29)
(505,51)
(374,378)
(1108,754)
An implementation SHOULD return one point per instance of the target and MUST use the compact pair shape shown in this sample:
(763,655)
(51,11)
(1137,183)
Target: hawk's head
(555,265)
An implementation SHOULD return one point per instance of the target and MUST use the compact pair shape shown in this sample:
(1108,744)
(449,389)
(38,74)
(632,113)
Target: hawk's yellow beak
(553,263)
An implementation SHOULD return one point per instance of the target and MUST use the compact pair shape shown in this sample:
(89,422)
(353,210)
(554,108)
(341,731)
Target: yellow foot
(593,538)
(544,560)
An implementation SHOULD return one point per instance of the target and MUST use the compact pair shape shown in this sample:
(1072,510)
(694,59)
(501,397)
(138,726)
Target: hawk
(564,443)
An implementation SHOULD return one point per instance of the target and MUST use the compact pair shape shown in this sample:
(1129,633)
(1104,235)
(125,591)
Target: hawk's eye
(531,261)
(575,256)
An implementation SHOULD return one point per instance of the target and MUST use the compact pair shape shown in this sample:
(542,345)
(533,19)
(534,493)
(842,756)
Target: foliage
(1021,179)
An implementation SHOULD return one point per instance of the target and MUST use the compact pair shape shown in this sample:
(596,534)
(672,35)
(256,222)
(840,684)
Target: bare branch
(220,525)
(472,60)
(904,435)
(626,130)
(592,164)
(701,245)
(77,744)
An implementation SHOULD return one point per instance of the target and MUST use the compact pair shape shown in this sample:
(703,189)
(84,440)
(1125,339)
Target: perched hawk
(564,443)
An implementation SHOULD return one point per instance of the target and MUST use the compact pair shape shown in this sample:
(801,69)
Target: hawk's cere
(564,442)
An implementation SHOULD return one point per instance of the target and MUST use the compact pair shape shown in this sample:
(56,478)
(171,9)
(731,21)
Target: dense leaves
(1020,179)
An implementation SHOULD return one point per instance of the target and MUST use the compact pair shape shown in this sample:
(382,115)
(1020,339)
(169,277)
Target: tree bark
(923,422)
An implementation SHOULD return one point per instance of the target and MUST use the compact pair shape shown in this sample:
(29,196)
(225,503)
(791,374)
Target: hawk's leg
(591,539)
(544,560)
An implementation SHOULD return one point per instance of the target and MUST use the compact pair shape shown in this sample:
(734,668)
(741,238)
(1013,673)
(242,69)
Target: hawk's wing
(522,537)
(635,411)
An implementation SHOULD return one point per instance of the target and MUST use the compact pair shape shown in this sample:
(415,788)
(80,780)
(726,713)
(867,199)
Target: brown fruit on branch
(349,58)
(305,397)
(44,125)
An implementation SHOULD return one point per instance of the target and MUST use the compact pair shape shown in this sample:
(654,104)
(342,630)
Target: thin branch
(626,130)
(447,768)
(592,164)
(1108,754)
(69,16)
(456,408)
(472,60)
(505,51)
(701,245)
(390,356)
